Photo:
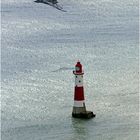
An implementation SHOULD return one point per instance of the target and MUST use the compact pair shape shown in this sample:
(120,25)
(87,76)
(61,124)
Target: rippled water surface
(40,46)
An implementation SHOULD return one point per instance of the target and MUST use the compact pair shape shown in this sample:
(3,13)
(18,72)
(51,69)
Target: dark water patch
(63,69)
(5,11)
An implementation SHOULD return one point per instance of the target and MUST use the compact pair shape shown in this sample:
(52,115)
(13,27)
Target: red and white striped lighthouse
(79,108)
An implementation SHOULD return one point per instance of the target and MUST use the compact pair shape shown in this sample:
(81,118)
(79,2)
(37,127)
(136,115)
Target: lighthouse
(79,108)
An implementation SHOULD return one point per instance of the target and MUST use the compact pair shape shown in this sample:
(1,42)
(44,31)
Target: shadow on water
(63,69)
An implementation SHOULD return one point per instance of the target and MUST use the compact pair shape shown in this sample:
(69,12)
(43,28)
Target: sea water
(40,47)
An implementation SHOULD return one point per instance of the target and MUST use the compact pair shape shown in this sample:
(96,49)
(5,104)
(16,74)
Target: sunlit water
(40,46)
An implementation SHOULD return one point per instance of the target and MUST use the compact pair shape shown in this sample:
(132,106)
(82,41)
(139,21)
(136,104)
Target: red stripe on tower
(79,94)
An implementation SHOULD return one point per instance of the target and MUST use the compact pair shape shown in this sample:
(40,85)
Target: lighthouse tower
(79,108)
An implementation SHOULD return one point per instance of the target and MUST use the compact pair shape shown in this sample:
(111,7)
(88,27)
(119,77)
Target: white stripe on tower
(79,103)
(79,80)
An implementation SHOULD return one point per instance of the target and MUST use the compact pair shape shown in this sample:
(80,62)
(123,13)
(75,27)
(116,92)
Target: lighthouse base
(84,115)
